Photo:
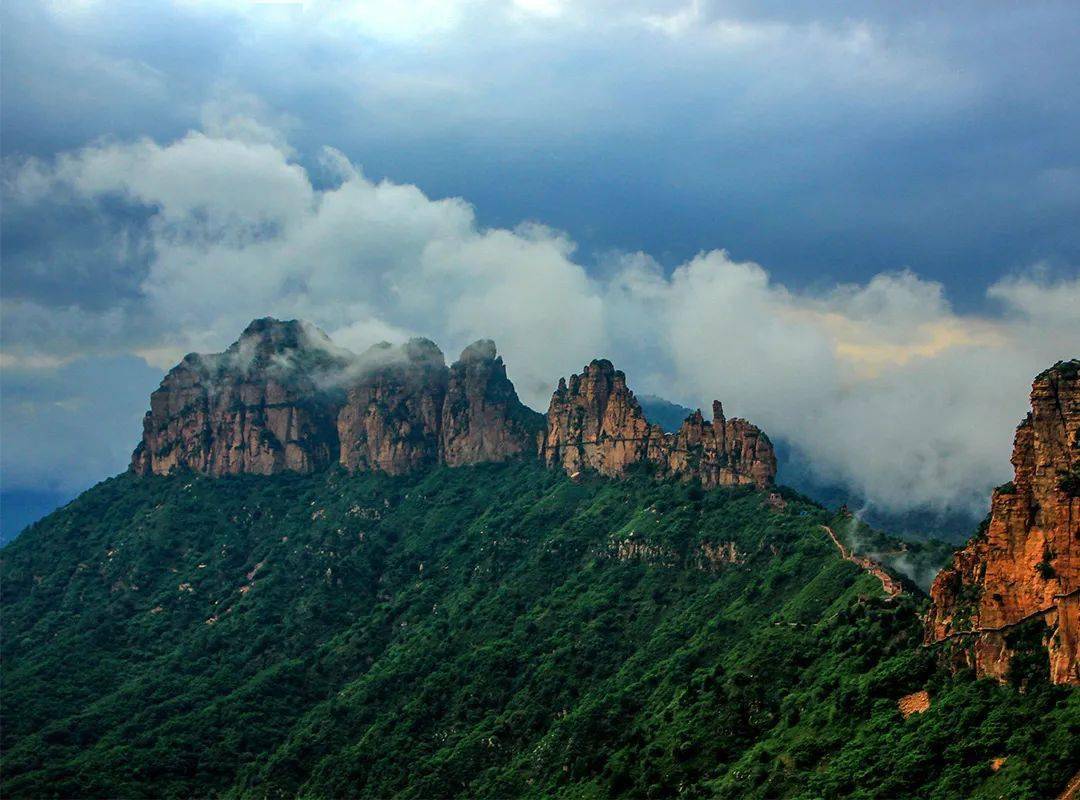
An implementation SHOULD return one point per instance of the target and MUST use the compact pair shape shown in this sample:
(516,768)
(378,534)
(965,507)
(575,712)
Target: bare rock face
(595,422)
(722,452)
(258,407)
(1026,565)
(482,418)
(283,397)
(915,703)
(390,421)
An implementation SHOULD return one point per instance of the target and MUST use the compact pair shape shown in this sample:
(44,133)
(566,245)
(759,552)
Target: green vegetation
(497,631)
(1063,370)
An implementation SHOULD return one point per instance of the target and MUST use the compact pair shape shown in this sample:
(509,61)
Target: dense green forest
(492,631)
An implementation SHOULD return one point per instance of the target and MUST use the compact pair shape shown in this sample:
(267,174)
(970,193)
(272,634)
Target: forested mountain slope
(487,631)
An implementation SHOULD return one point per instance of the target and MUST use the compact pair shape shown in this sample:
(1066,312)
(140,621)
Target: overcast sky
(854,223)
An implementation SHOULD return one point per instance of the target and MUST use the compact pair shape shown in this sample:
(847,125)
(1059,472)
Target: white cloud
(885,386)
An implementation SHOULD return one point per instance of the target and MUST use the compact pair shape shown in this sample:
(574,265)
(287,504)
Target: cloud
(822,139)
(881,385)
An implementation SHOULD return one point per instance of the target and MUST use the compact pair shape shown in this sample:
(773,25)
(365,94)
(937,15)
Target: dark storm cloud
(165,181)
(87,254)
(826,140)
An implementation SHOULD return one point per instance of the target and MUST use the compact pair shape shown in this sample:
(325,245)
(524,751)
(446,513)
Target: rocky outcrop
(595,422)
(256,408)
(724,452)
(914,703)
(482,418)
(283,397)
(1026,564)
(391,418)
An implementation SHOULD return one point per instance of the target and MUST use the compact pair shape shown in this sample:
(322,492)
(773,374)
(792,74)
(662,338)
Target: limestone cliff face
(255,408)
(390,421)
(482,418)
(595,422)
(284,398)
(1026,565)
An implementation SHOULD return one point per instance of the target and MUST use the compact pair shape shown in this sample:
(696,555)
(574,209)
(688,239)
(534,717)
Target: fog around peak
(856,227)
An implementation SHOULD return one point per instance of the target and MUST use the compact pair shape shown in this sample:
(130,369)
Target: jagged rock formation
(722,452)
(1026,564)
(258,407)
(595,422)
(391,419)
(283,397)
(482,418)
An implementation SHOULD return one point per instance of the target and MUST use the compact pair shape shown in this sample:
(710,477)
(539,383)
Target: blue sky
(854,208)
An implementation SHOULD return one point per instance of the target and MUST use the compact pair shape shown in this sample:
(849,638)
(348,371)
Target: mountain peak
(420,350)
(1026,565)
(284,397)
(596,422)
(480,350)
(269,335)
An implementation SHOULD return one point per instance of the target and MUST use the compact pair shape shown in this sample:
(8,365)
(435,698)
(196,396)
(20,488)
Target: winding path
(1072,791)
(889,584)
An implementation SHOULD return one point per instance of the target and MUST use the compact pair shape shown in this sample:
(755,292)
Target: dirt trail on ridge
(889,584)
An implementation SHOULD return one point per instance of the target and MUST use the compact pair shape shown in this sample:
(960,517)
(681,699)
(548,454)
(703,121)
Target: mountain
(284,398)
(1020,577)
(795,470)
(474,600)
(596,423)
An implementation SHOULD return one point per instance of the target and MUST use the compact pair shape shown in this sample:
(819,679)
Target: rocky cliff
(259,407)
(594,421)
(482,417)
(283,397)
(1026,564)
(391,418)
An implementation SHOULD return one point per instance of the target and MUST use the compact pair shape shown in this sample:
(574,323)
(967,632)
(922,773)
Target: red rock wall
(390,421)
(1027,563)
(595,422)
(482,418)
(250,409)
(282,398)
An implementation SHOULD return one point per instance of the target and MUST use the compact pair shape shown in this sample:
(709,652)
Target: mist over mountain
(378,575)
(539,399)
(225,224)
(794,469)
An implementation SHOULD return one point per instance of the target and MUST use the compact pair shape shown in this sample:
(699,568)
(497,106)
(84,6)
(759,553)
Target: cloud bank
(823,139)
(882,385)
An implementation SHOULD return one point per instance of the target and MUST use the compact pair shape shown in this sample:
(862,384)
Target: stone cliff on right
(1025,565)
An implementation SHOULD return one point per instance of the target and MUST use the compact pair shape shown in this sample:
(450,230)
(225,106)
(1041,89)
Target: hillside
(794,469)
(486,631)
